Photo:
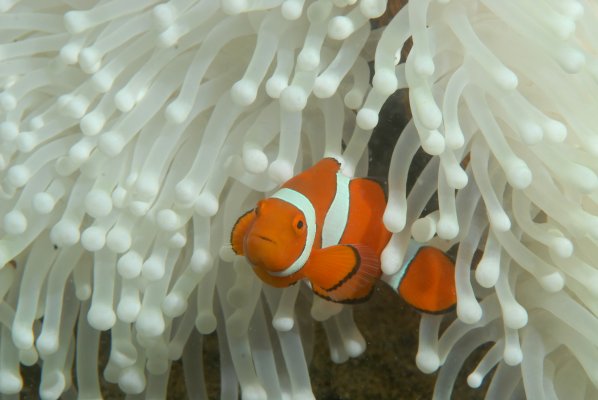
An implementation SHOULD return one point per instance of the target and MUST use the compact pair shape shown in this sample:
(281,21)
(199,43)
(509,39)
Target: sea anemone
(502,94)
(133,134)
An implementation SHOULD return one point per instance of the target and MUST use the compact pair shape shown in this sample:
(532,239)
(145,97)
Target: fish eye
(298,224)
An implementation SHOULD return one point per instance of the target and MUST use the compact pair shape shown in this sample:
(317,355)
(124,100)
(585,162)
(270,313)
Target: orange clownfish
(327,228)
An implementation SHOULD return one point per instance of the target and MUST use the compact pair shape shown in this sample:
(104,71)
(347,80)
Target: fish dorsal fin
(343,273)
(428,283)
(239,229)
(325,167)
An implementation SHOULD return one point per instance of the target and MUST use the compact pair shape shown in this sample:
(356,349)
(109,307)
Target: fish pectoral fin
(326,267)
(239,229)
(429,282)
(344,273)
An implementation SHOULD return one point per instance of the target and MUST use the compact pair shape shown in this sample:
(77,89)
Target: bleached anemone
(133,135)
(504,94)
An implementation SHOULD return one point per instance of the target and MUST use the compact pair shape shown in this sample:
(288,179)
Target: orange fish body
(323,227)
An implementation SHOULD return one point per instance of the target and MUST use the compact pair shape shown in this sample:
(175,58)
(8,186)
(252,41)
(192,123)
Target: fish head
(277,236)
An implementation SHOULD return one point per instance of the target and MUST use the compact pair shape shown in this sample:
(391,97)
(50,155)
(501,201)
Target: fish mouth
(267,239)
(256,248)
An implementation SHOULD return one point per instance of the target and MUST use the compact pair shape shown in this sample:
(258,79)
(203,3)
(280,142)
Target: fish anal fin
(429,282)
(344,273)
(239,230)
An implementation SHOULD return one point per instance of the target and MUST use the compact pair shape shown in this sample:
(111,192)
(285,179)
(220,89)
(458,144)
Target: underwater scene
(298,199)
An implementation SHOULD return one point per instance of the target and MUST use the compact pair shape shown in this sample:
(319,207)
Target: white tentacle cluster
(132,135)
(503,96)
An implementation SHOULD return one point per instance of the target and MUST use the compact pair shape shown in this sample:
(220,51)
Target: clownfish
(326,228)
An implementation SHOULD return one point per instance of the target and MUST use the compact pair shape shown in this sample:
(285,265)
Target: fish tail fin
(428,281)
